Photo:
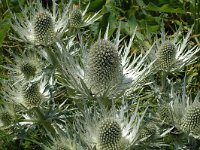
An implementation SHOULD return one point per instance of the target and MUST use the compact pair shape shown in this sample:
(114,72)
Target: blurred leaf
(4,28)
(165,8)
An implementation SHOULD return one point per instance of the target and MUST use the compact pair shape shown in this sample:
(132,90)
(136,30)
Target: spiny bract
(31,95)
(191,119)
(109,136)
(76,18)
(166,55)
(43,28)
(103,66)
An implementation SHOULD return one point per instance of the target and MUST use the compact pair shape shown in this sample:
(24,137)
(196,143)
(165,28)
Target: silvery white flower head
(30,94)
(79,18)
(172,53)
(110,129)
(40,26)
(25,67)
(106,63)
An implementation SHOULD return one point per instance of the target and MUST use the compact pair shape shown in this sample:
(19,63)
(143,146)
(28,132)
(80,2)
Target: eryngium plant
(101,69)
(75,18)
(7,115)
(43,28)
(40,26)
(166,55)
(109,135)
(29,94)
(103,66)
(24,67)
(113,129)
(191,119)
(172,52)
(78,18)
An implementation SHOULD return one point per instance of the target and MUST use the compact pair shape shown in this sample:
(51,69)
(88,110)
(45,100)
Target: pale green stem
(46,123)
(163,81)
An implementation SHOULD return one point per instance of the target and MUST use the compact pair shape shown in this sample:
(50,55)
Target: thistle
(191,118)
(166,55)
(75,18)
(173,53)
(106,69)
(103,66)
(165,114)
(38,26)
(109,136)
(28,69)
(31,95)
(7,114)
(43,28)
(6,118)
(113,129)
(149,130)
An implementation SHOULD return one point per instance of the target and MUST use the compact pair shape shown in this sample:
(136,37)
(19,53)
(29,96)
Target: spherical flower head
(191,119)
(7,114)
(102,67)
(75,18)
(31,95)
(166,55)
(6,118)
(109,135)
(43,28)
(165,113)
(28,69)
(148,131)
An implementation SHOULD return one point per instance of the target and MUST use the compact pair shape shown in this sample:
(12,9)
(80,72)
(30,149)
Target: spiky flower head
(103,66)
(104,69)
(40,26)
(191,118)
(31,95)
(24,67)
(43,28)
(28,69)
(173,52)
(113,129)
(6,118)
(166,55)
(109,135)
(75,18)
(7,114)
(165,113)
(148,130)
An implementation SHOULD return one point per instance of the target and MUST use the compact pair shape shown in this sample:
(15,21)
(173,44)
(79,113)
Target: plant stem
(42,119)
(163,80)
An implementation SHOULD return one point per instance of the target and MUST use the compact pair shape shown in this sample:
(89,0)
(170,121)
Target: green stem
(163,81)
(46,123)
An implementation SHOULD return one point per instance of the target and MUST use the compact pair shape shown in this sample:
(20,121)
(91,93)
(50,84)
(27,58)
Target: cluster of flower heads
(41,26)
(107,69)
